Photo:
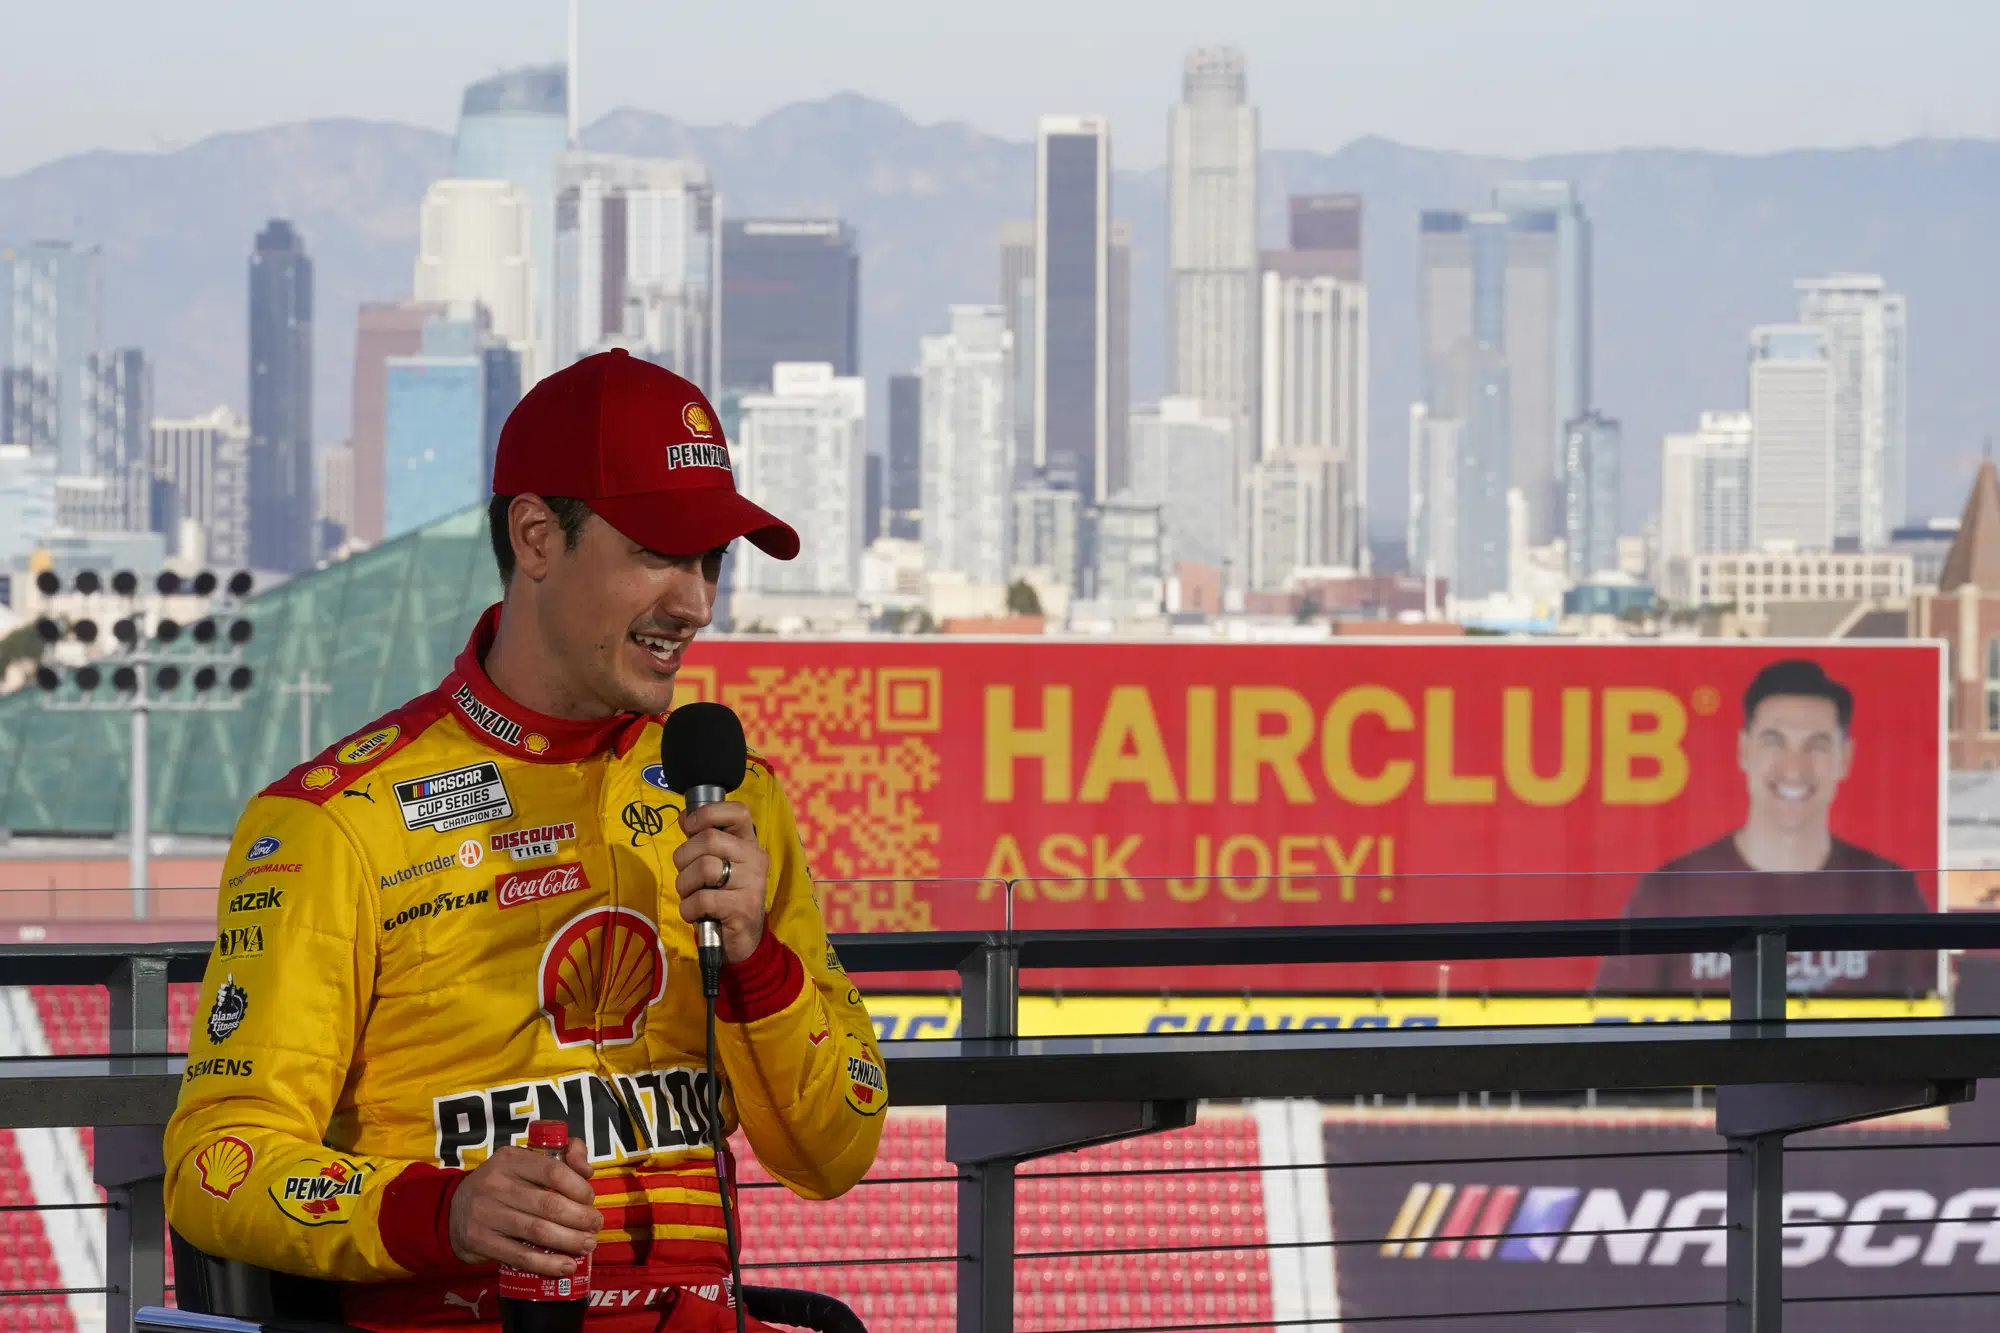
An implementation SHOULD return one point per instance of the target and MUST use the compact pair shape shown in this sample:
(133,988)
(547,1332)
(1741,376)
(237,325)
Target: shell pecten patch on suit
(224,1164)
(600,974)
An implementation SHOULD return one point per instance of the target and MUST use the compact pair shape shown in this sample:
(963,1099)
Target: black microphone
(702,757)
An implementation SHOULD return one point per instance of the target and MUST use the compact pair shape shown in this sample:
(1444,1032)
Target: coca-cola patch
(532,886)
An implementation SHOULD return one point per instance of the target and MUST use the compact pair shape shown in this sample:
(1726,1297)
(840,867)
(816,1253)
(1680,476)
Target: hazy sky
(1509,77)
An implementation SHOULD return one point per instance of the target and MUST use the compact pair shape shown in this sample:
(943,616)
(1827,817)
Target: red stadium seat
(1057,1210)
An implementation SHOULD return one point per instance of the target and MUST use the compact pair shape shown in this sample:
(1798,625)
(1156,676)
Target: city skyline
(1725,290)
(1773,82)
(1505,306)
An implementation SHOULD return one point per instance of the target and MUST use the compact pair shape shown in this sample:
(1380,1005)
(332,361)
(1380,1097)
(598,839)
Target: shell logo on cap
(600,974)
(697,419)
(224,1164)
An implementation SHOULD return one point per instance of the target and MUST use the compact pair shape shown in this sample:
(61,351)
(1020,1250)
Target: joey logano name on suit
(438,906)
(626,1115)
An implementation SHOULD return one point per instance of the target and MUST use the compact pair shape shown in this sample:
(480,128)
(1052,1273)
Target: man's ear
(536,534)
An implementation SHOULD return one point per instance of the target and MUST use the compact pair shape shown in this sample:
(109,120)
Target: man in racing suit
(476,911)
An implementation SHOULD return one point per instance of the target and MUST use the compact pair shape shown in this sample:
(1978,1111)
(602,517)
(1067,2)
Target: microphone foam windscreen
(701,745)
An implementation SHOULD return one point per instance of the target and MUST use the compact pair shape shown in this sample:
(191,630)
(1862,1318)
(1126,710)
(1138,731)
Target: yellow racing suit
(463,918)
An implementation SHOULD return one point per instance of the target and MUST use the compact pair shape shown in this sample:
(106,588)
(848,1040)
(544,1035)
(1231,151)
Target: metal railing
(1012,1099)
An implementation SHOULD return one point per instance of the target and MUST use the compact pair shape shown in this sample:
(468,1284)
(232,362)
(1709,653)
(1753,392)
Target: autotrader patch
(474,794)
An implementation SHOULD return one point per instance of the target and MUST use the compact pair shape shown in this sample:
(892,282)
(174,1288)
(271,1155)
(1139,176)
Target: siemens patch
(444,801)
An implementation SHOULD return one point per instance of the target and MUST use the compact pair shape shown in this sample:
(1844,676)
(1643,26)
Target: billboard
(1203,784)
(927,1017)
(1889,1223)
(1445,1215)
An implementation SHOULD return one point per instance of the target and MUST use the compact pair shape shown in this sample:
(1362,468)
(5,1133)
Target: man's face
(1794,755)
(616,617)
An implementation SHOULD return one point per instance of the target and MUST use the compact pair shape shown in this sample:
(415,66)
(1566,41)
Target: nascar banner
(1206,784)
(927,1017)
(1907,1209)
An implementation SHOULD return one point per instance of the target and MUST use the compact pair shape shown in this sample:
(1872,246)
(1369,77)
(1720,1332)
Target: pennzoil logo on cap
(696,418)
(697,455)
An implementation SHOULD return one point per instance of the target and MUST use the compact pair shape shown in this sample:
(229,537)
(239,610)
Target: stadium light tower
(305,687)
(146,671)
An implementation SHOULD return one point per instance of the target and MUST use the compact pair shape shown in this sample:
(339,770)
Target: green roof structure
(378,628)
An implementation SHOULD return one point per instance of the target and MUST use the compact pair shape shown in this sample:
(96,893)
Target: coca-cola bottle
(529,1302)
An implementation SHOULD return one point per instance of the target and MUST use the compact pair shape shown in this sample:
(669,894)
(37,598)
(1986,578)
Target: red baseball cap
(643,447)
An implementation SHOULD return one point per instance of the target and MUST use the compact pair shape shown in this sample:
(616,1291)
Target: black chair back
(204,1284)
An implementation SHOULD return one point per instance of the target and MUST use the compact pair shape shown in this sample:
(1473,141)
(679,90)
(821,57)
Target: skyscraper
(637,252)
(1184,462)
(1433,531)
(1118,365)
(1017,298)
(117,448)
(204,462)
(445,406)
(791,291)
(381,331)
(1704,494)
(27,510)
(513,127)
(1324,234)
(801,451)
(1467,396)
(967,445)
(1792,486)
(1513,286)
(473,244)
(1548,337)
(1866,330)
(1212,235)
(48,328)
(1315,399)
(1073,303)
(1046,533)
(117,411)
(336,495)
(905,487)
(1591,445)
(1283,506)
(281,462)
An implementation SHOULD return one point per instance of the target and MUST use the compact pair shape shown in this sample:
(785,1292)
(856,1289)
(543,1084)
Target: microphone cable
(711,988)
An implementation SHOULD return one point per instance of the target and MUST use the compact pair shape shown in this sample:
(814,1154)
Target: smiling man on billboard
(1795,749)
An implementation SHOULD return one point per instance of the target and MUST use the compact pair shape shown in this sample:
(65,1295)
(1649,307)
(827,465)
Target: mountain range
(1691,250)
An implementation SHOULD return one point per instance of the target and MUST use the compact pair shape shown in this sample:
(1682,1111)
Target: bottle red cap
(548,1134)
